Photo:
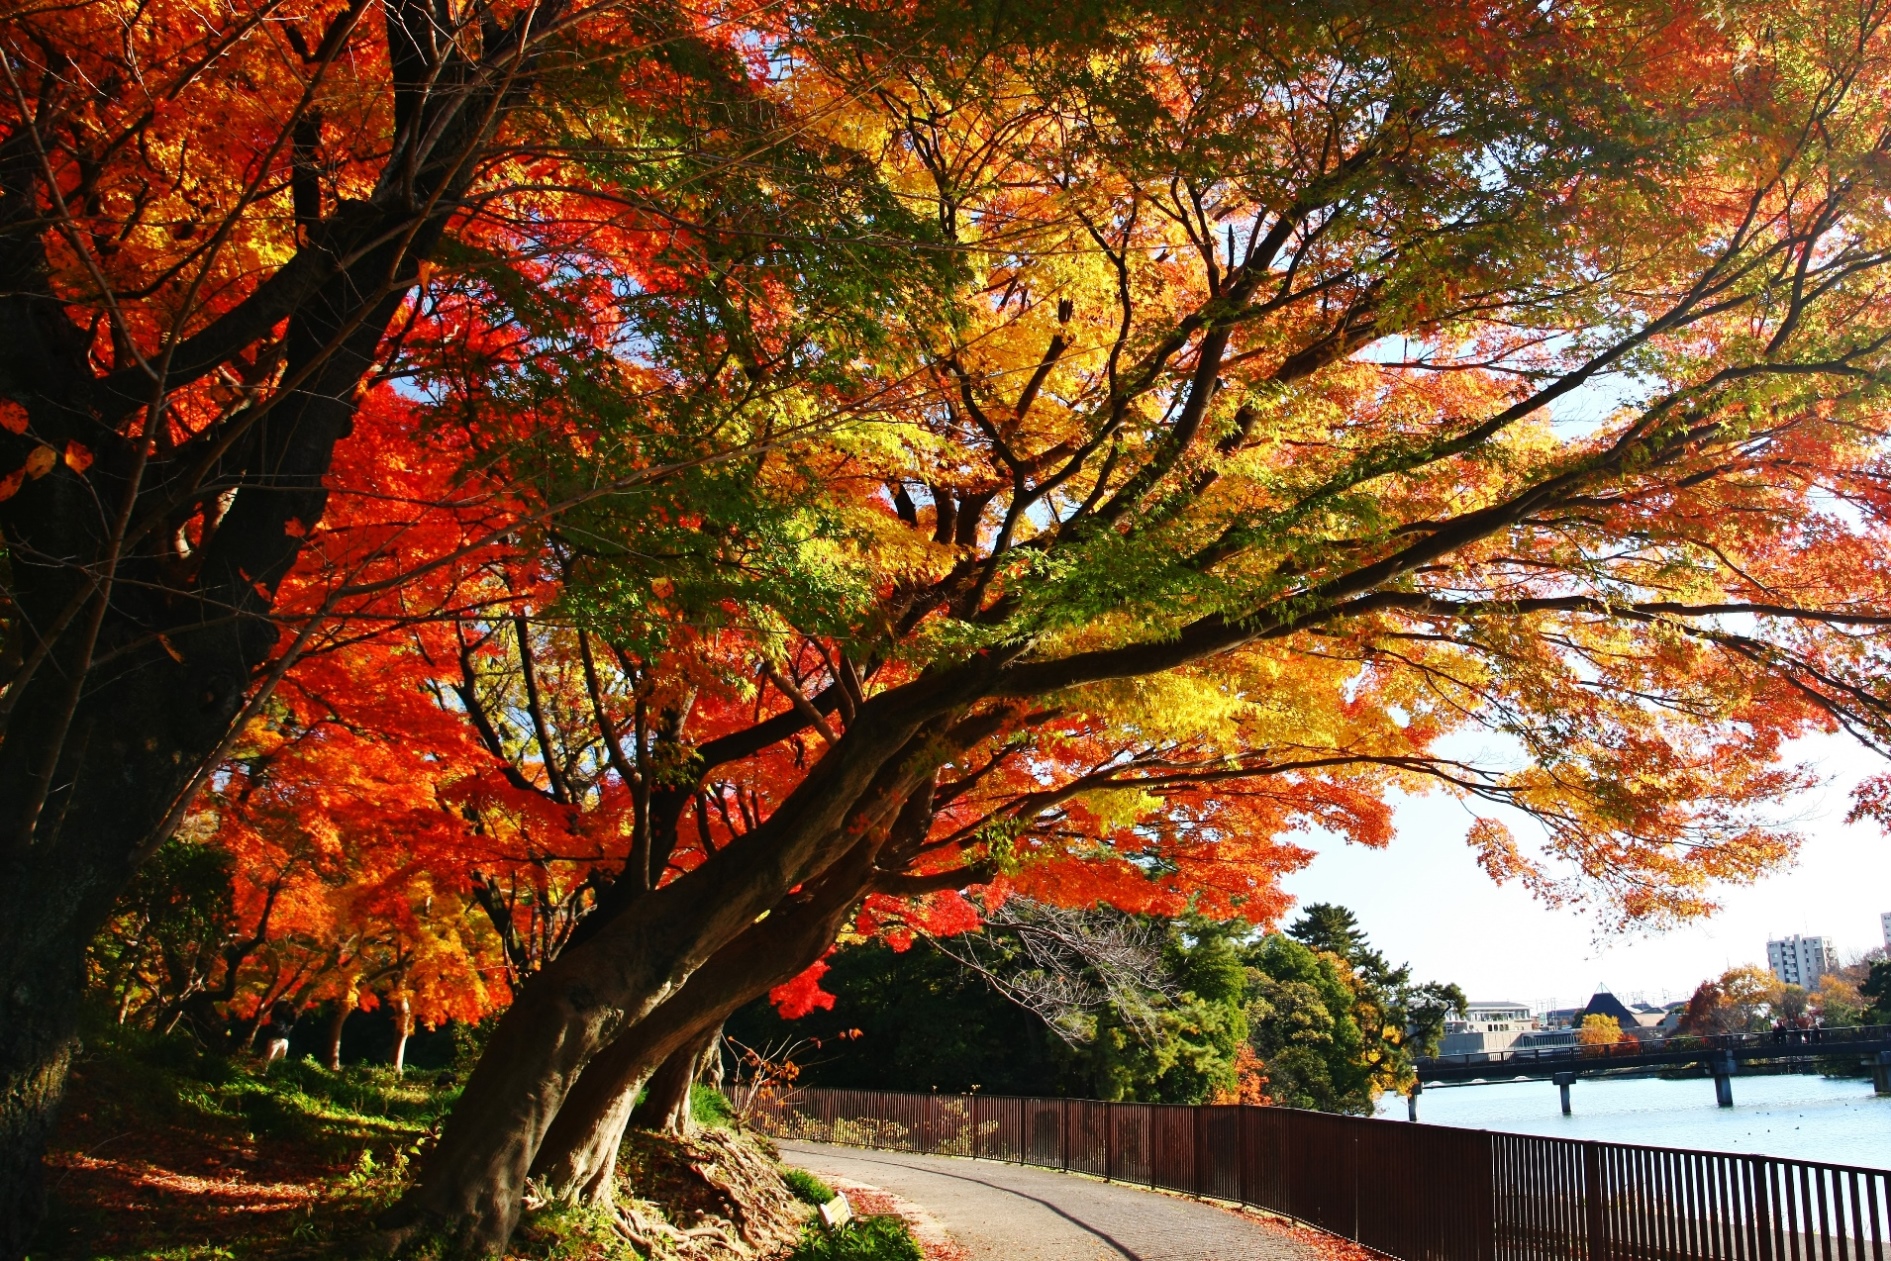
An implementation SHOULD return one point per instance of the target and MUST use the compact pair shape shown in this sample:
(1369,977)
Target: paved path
(1003,1212)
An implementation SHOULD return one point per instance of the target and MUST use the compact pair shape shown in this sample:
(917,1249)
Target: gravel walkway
(1001,1212)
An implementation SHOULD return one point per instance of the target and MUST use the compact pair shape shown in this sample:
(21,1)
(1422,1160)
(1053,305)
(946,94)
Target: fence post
(1763,1207)
(974,1125)
(1109,1142)
(1241,1154)
(1355,1235)
(1197,1151)
(1594,1206)
(1063,1133)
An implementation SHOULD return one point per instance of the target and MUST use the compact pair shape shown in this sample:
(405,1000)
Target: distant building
(1635,1023)
(1540,1039)
(1486,1028)
(1800,960)
(1604,1003)
(1668,1023)
(1885,920)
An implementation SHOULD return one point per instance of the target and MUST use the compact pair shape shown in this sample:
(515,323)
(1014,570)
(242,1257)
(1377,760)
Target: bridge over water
(1720,1054)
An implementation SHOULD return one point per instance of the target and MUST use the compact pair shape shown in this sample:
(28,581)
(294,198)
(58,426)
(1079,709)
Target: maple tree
(228,239)
(1208,450)
(1153,562)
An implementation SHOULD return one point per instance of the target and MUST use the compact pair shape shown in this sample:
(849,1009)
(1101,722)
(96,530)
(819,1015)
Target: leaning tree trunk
(580,1150)
(470,1189)
(665,1106)
(585,1175)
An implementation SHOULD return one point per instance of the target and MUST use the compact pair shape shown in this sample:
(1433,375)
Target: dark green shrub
(863,1239)
(806,1186)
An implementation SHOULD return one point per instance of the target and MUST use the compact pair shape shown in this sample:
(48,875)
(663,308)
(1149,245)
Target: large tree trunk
(37,1046)
(593,994)
(665,1104)
(580,1149)
(585,1149)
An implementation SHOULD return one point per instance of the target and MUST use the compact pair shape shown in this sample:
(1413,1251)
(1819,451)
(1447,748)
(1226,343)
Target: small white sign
(836,1212)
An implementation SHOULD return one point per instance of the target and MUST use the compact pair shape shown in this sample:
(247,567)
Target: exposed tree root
(711,1196)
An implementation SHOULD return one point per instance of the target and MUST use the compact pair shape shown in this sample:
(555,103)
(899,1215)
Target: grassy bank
(168,1152)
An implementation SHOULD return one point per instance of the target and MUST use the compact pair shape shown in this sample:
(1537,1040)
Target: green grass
(152,1078)
(863,1239)
(566,1233)
(806,1187)
(166,1102)
(709,1106)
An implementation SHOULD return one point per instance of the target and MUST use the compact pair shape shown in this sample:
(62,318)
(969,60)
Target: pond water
(1810,1118)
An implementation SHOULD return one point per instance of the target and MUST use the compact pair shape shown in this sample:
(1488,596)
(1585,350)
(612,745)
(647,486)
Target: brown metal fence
(1414,1192)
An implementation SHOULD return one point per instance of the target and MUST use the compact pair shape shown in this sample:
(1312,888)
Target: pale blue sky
(1424,900)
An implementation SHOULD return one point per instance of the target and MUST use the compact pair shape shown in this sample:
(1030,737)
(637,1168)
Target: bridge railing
(1412,1192)
(1782,1042)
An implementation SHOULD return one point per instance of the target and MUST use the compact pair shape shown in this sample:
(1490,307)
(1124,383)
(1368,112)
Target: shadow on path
(1005,1212)
(1074,1220)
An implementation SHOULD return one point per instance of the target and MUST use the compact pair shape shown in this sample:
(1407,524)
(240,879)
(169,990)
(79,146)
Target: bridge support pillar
(1563,1082)
(1411,1101)
(1723,1080)
(1881,1073)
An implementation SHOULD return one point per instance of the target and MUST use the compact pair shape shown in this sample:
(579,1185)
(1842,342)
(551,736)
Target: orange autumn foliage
(1642,735)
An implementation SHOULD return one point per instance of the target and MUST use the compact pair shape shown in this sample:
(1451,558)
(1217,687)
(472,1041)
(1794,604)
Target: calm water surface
(1810,1118)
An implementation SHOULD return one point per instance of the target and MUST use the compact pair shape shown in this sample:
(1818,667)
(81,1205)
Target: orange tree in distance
(220,233)
(1319,385)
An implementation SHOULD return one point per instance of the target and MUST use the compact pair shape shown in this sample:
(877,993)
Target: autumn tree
(207,228)
(1600,1030)
(1320,384)
(1298,389)
(1740,1000)
(221,234)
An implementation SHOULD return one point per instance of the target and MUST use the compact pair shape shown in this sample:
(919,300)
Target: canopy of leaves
(1210,422)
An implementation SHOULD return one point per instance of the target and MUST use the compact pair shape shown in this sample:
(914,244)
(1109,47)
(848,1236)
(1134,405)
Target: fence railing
(1414,1192)
(1835,1040)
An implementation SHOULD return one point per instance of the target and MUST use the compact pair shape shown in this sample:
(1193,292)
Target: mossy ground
(169,1152)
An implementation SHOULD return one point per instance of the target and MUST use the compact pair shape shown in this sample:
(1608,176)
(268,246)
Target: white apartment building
(1800,960)
(1885,920)
(1486,1027)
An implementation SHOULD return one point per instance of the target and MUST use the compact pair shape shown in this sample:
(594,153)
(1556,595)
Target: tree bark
(331,1051)
(38,1047)
(634,966)
(665,1106)
(579,1150)
(403,1029)
(586,1147)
